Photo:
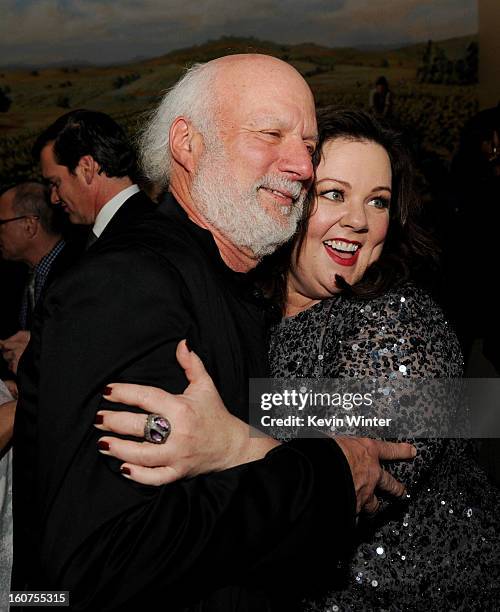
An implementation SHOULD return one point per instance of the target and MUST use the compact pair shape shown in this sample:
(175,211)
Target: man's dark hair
(409,251)
(83,132)
(32,198)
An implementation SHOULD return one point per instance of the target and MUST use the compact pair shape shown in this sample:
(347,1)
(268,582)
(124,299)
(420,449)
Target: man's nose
(295,160)
(54,196)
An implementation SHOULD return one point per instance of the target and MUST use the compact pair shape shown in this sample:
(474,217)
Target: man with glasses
(28,234)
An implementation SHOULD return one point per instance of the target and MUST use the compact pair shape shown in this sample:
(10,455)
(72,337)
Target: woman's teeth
(340,245)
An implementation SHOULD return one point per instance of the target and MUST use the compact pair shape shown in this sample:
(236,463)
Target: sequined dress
(440,549)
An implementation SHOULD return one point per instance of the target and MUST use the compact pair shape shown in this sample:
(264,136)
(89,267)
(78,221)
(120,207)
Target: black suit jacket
(72,251)
(222,541)
(10,323)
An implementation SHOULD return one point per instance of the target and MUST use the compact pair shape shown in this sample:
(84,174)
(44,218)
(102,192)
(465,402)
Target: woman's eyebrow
(331,178)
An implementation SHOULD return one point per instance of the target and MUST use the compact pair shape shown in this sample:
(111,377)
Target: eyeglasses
(4,221)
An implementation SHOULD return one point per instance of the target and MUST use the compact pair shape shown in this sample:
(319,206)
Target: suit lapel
(128,213)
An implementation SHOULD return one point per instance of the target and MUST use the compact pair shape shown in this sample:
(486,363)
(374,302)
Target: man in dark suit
(31,233)
(227,540)
(90,167)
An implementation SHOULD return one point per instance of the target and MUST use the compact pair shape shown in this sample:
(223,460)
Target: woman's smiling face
(349,223)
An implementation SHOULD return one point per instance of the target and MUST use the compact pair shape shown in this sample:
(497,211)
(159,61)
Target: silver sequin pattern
(439,549)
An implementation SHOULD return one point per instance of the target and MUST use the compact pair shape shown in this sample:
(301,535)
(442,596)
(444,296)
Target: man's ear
(186,143)
(88,168)
(31,226)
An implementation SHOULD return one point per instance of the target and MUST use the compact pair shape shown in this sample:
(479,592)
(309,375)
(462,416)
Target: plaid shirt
(41,272)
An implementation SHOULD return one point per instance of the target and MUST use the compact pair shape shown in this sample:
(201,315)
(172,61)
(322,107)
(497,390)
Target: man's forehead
(260,79)
(47,154)
(48,163)
(7,198)
(272,117)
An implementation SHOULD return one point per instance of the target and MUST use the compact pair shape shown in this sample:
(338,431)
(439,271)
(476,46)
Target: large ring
(157,429)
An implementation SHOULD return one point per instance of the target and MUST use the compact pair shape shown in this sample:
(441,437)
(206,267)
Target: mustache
(280,183)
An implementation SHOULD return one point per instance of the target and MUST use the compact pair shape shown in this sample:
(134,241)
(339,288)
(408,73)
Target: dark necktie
(28,301)
(90,240)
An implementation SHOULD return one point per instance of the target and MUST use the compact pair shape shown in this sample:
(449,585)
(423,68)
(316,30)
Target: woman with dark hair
(351,310)
(407,249)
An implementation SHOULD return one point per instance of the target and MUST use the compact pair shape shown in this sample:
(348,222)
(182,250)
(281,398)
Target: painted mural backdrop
(57,55)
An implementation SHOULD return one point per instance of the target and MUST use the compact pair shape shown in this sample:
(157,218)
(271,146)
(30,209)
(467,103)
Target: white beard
(236,213)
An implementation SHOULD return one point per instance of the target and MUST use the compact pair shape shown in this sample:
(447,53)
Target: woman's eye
(380,203)
(333,194)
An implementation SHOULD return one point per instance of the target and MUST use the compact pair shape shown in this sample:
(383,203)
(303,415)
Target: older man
(29,233)
(233,140)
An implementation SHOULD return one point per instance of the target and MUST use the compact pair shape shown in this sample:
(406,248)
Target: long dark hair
(408,251)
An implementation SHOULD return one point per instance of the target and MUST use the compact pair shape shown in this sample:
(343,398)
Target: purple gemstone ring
(157,429)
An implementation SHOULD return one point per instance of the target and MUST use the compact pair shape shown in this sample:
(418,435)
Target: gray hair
(192,97)
(32,198)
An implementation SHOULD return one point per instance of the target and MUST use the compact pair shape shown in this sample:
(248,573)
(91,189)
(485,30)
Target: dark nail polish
(125,470)
(107,391)
(99,419)
(102,445)
(188,346)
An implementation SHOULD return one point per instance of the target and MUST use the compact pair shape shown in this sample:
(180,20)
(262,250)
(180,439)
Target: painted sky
(104,31)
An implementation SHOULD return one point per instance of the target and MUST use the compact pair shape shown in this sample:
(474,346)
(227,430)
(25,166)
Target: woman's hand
(204,436)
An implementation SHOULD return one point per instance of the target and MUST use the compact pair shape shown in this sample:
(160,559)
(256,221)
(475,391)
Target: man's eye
(272,133)
(336,195)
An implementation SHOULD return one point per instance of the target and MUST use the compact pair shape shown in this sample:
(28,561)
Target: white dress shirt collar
(109,209)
